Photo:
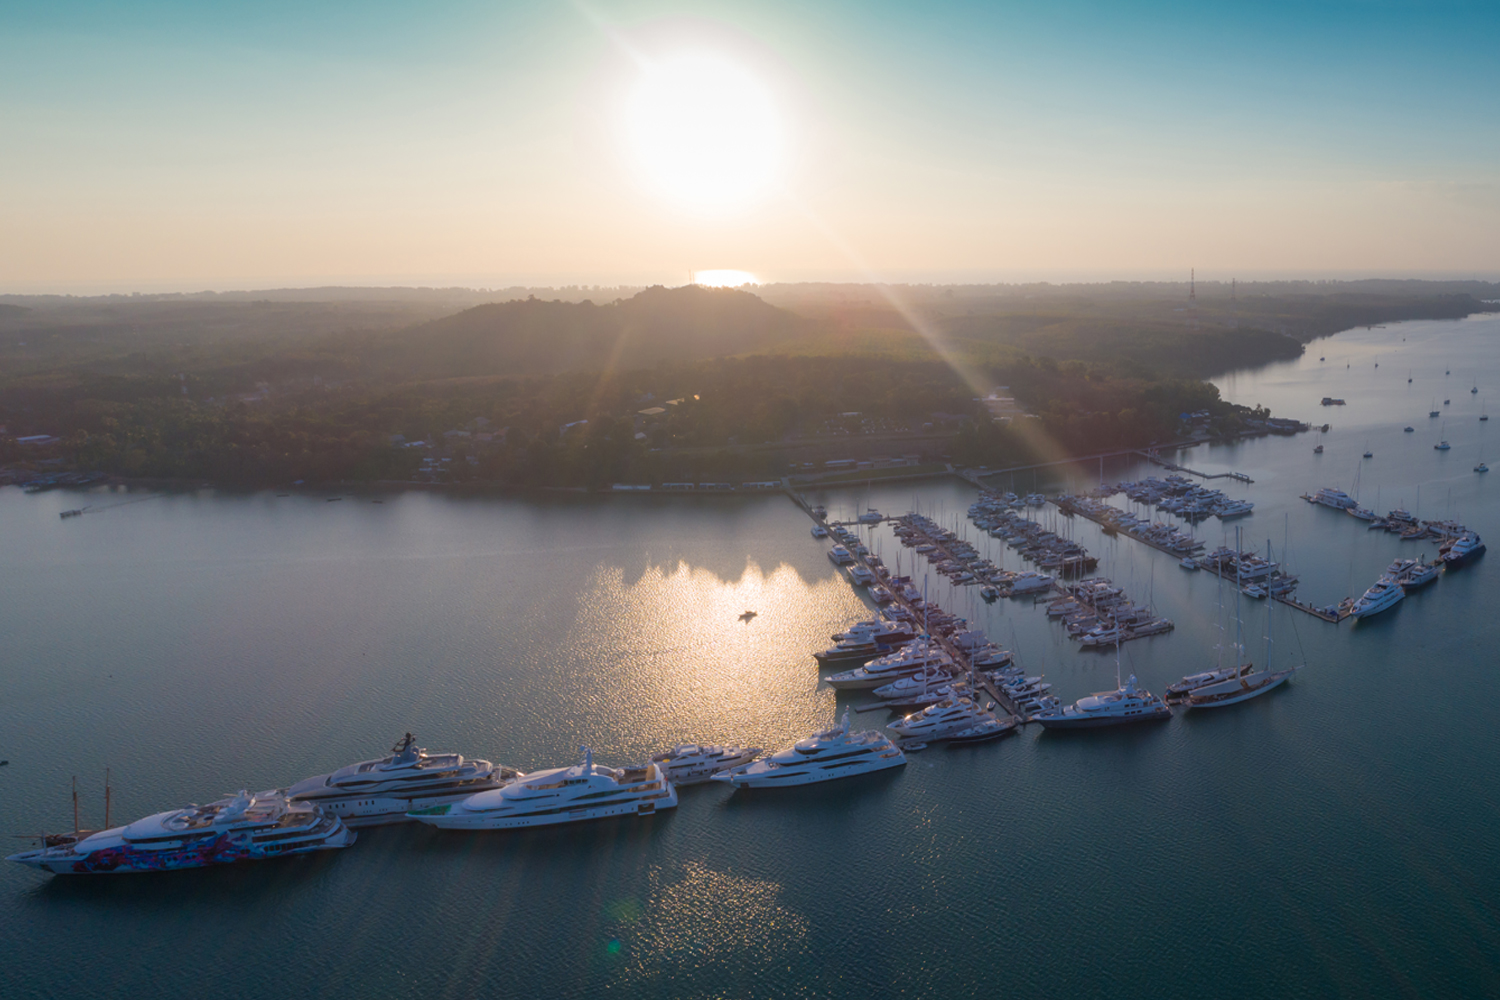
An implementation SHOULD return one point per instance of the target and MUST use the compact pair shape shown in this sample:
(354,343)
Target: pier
(960,657)
(1155,459)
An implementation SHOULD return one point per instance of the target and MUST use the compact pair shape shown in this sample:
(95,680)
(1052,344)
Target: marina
(353,622)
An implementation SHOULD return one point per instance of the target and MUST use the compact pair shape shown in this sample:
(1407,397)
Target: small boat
(818,531)
(1318,450)
(1474,390)
(1369,454)
(1254,590)
(1481,467)
(1409,430)
(1187,562)
(1447,402)
(1442,446)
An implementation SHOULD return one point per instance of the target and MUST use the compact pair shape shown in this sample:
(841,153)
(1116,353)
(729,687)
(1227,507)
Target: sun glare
(724,279)
(705,132)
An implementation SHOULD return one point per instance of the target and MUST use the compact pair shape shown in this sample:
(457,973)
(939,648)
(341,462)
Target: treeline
(723,419)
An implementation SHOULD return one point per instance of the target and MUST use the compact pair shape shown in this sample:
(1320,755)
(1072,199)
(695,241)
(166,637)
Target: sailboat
(1443,444)
(1183,689)
(1248,684)
(1434,411)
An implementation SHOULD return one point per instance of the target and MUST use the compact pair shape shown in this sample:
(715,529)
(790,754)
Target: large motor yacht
(384,791)
(1192,682)
(560,795)
(243,827)
(914,658)
(693,763)
(1330,497)
(1383,595)
(824,756)
(1463,549)
(1412,573)
(939,719)
(1125,704)
(857,650)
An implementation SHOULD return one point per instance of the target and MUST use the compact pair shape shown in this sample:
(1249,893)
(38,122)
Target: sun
(705,133)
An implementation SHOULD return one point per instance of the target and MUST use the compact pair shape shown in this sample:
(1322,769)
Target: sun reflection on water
(694,670)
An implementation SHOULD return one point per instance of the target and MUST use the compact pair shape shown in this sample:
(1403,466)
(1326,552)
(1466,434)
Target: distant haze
(171,146)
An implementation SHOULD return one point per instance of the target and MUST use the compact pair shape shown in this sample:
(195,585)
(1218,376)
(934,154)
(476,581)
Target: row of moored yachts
(447,791)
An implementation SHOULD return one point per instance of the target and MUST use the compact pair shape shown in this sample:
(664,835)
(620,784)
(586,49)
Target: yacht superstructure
(242,827)
(380,791)
(694,763)
(1384,594)
(824,756)
(560,795)
(1125,704)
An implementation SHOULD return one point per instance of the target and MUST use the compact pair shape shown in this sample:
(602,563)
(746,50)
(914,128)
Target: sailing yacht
(242,827)
(384,791)
(694,763)
(1248,684)
(824,756)
(560,795)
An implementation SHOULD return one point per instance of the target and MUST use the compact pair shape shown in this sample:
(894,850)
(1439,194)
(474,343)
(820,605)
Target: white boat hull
(457,820)
(788,778)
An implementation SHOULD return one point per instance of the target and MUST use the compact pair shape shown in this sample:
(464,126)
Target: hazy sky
(155,145)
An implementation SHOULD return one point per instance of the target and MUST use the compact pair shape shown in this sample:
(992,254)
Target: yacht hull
(771,779)
(1235,698)
(482,821)
(128,860)
(1098,722)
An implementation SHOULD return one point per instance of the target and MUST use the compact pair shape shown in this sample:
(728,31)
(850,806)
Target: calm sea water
(1336,838)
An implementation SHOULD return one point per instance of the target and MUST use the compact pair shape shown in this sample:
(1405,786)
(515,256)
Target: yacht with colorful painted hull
(560,795)
(375,792)
(825,756)
(241,827)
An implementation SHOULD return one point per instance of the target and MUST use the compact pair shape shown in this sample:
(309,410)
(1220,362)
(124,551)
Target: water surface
(1336,838)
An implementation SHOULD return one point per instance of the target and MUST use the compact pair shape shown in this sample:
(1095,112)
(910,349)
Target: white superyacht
(824,756)
(374,792)
(694,763)
(560,795)
(241,827)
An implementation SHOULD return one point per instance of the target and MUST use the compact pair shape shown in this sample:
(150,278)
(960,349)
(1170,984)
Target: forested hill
(536,337)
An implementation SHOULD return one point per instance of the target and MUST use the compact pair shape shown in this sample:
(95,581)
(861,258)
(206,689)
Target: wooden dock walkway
(1068,508)
(959,656)
(1174,467)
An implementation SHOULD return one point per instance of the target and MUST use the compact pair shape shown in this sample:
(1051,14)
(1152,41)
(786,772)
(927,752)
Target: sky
(175,145)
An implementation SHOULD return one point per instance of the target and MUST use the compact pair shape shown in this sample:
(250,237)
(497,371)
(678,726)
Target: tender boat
(694,763)
(560,795)
(818,531)
(824,756)
(243,827)
(374,792)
